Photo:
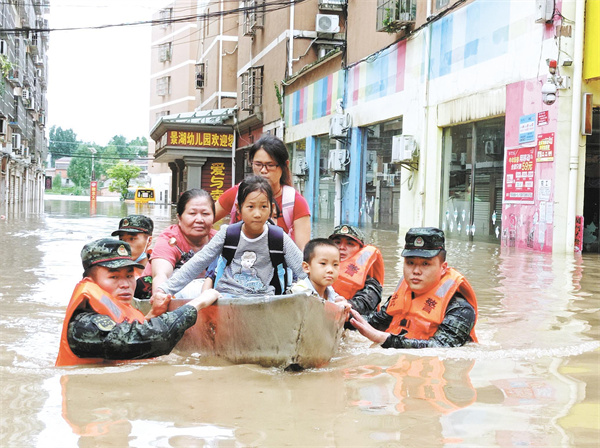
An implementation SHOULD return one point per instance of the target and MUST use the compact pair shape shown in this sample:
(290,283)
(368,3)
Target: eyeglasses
(269,166)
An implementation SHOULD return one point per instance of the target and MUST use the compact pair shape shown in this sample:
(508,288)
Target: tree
(57,182)
(140,144)
(63,143)
(80,168)
(122,175)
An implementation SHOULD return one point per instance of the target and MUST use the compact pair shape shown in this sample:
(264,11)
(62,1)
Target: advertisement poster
(545,147)
(216,176)
(527,128)
(519,175)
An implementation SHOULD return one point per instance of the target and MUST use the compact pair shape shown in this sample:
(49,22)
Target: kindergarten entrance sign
(519,175)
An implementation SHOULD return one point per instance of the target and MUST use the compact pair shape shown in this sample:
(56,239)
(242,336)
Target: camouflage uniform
(94,335)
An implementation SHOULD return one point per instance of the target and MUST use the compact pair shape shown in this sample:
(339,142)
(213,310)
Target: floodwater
(531,381)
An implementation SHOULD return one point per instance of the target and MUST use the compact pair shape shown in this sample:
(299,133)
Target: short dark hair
(311,247)
(194,193)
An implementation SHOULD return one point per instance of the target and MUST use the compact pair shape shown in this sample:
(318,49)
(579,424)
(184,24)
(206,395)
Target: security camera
(549,92)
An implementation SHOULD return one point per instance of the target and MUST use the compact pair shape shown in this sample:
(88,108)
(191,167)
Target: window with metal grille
(164,52)
(394,15)
(200,75)
(252,86)
(163,86)
(254,15)
(165,16)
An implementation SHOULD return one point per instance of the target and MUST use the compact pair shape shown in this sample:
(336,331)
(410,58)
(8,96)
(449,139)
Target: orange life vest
(422,316)
(102,303)
(367,262)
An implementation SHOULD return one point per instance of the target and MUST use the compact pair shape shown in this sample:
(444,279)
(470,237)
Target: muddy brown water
(531,381)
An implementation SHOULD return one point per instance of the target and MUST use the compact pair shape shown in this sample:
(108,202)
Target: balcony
(394,16)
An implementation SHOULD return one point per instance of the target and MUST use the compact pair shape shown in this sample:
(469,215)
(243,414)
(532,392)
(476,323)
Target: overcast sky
(99,80)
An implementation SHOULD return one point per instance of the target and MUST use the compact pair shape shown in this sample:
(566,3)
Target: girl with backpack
(254,255)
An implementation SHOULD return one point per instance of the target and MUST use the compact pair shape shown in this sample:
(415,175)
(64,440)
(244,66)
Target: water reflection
(532,380)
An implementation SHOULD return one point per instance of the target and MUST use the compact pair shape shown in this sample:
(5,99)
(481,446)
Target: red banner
(200,139)
(519,175)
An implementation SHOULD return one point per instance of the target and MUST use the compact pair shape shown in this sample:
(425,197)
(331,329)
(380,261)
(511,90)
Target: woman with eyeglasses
(270,159)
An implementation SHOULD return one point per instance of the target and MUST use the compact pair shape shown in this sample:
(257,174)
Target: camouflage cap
(350,232)
(135,224)
(108,252)
(425,242)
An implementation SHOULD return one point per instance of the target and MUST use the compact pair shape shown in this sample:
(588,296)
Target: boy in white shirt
(321,264)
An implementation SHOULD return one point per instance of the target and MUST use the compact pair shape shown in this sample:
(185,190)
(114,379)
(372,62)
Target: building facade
(23,105)
(479,117)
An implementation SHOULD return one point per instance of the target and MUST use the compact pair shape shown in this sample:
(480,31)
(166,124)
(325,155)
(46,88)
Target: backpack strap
(232,239)
(288,198)
(279,280)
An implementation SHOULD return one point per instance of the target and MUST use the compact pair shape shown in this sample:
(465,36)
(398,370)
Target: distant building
(23,144)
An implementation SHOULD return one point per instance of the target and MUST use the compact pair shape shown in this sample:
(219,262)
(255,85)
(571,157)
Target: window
(252,84)
(254,15)
(439,4)
(395,15)
(165,16)
(3,48)
(200,80)
(3,123)
(163,86)
(164,52)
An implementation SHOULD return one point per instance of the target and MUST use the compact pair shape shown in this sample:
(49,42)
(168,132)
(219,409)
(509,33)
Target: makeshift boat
(290,331)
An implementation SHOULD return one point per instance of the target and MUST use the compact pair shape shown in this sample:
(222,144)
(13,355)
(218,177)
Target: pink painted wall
(530,225)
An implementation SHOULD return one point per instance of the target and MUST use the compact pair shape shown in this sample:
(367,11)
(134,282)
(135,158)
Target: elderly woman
(179,242)
(270,159)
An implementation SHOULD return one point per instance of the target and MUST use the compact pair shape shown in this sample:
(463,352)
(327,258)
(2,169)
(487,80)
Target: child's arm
(198,263)
(293,256)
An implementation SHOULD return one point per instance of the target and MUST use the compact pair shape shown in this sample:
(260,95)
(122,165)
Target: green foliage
(57,182)
(121,174)
(63,143)
(80,168)
(279,99)
(5,68)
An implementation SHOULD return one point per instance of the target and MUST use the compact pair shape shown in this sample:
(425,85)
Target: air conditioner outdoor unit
(338,126)
(31,104)
(327,23)
(403,147)
(16,141)
(300,167)
(337,160)
(491,148)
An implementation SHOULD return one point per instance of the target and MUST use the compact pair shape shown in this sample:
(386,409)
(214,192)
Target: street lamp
(93,151)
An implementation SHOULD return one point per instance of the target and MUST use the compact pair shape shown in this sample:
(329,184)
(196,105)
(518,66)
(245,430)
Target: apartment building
(481,118)
(23,105)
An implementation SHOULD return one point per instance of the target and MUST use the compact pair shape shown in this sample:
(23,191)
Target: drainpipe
(291,38)
(575,126)
(220,58)
(424,149)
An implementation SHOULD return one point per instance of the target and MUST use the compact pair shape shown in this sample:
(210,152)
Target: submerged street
(533,379)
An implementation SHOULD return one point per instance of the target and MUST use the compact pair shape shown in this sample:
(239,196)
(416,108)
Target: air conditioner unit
(338,126)
(31,104)
(338,159)
(492,148)
(300,167)
(403,147)
(332,5)
(327,23)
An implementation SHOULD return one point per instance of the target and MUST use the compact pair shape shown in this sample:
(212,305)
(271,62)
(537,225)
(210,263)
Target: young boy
(136,230)
(100,323)
(321,264)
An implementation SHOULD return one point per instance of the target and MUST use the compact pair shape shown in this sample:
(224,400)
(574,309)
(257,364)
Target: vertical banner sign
(545,147)
(93,191)
(519,175)
(578,233)
(216,176)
